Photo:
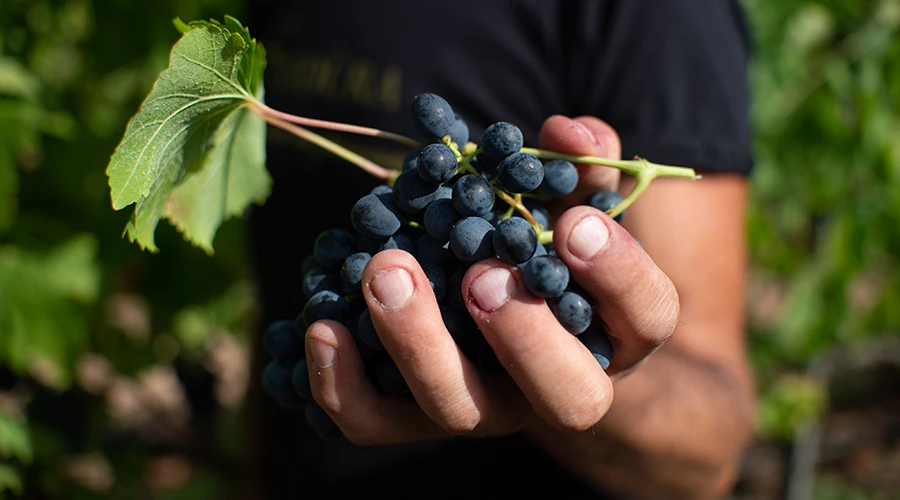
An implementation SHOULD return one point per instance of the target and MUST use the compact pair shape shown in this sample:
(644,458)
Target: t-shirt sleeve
(671,76)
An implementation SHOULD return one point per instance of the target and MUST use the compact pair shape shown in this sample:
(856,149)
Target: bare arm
(680,420)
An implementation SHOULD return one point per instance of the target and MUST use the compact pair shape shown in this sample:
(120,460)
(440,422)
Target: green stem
(643,180)
(368,165)
(265,111)
(632,167)
(503,195)
(643,170)
(545,237)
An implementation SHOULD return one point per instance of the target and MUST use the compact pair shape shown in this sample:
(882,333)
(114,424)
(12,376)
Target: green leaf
(234,177)
(10,480)
(191,130)
(43,328)
(16,80)
(15,441)
(9,189)
(193,325)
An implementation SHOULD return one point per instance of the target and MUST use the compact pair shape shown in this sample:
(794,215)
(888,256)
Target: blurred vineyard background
(123,374)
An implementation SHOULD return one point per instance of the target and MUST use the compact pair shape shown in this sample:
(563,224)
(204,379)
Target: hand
(552,378)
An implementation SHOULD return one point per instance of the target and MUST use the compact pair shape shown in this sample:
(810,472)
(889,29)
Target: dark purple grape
(514,240)
(500,140)
(520,173)
(472,239)
(436,164)
(546,275)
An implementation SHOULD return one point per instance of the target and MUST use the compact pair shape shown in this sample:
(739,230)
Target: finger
(584,135)
(557,374)
(443,381)
(340,386)
(634,297)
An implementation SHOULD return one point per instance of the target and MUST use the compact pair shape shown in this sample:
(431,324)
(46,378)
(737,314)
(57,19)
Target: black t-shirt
(669,75)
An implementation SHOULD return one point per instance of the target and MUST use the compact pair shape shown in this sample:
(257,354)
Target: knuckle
(660,315)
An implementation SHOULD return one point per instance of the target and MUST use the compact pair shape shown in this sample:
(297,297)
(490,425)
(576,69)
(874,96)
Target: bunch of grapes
(454,203)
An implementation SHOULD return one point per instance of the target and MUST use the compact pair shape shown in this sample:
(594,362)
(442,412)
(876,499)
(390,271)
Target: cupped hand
(550,376)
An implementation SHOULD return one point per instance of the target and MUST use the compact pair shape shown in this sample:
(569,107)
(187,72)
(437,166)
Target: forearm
(676,429)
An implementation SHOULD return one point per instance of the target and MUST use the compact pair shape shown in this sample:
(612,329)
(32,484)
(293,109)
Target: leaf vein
(162,124)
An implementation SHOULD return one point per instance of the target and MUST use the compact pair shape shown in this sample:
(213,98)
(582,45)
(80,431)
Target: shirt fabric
(669,75)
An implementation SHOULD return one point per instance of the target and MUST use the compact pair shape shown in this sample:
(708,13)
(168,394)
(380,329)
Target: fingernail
(392,289)
(588,237)
(599,146)
(492,289)
(323,354)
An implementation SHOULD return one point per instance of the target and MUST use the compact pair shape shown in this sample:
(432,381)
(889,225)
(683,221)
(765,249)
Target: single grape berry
(472,195)
(560,179)
(515,240)
(500,140)
(318,279)
(381,189)
(352,271)
(277,381)
(520,173)
(282,341)
(325,305)
(437,278)
(472,239)
(572,310)
(439,219)
(597,341)
(399,241)
(436,164)
(376,215)
(460,132)
(539,212)
(606,199)
(546,275)
(365,332)
(432,116)
(412,193)
(332,246)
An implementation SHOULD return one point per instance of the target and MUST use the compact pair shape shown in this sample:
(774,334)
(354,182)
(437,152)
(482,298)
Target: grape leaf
(195,153)
(15,439)
(10,480)
(41,294)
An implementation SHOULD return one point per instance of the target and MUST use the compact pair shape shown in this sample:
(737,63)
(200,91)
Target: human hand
(550,375)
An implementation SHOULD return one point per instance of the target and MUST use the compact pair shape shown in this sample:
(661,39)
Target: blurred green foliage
(76,298)
(824,222)
(73,292)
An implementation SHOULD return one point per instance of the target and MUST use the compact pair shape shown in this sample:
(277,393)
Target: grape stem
(331,146)
(644,171)
(515,203)
(266,112)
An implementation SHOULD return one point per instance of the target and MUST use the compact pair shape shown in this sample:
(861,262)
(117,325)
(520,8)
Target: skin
(672,414)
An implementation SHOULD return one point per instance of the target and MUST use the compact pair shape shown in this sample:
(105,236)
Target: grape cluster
(453,203)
